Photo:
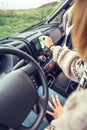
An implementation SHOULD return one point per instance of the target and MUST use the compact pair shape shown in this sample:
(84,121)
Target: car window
(16,15)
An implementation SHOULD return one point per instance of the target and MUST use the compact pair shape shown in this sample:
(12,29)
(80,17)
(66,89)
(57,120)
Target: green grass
(12,22)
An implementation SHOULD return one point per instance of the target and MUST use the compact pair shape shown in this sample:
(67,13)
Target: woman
(74,67)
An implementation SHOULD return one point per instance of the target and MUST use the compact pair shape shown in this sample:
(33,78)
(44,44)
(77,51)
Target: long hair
(79,31)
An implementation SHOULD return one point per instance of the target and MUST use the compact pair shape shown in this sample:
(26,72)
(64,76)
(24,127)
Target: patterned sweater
(74,68)
(70,62)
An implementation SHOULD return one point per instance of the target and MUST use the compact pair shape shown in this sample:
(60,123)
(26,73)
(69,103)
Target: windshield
(15,16)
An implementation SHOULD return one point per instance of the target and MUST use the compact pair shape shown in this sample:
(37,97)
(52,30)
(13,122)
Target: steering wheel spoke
(30,68)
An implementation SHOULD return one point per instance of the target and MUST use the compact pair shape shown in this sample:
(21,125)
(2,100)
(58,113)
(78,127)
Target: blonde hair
(79,31)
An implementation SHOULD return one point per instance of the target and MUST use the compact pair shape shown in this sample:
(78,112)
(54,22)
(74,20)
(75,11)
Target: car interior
(24,62)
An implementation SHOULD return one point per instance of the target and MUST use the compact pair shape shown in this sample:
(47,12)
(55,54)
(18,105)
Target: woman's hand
(46,40)
(56,107)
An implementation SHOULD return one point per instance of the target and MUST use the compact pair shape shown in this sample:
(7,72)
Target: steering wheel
(18,93)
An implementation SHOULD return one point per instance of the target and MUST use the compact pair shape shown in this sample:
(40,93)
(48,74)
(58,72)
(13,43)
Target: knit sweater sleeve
(69,61)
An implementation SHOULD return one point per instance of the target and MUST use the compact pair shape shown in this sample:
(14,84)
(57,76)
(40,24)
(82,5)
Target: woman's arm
(68,60)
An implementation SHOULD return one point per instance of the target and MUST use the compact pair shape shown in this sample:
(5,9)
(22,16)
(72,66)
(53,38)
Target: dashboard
(30,43)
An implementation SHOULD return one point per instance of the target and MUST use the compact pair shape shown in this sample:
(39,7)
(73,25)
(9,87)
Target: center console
(40,52)
(44,57)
